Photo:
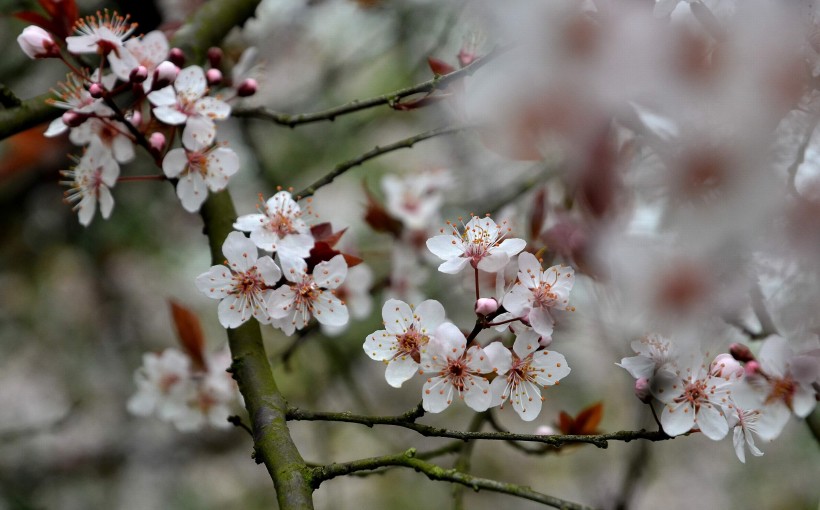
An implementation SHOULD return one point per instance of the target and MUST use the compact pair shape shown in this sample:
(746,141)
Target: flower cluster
(166,99)
(172,386)
(752,399)
(421,341)
(306,286)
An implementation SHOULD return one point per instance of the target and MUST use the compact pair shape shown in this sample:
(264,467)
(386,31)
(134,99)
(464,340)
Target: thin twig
(391,98)
(376,152)
(434,472)
(407,421)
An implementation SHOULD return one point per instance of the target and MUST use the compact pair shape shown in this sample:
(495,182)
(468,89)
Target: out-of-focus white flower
(163,384)
(482,245)
(168,385)
(782,385)
(104,34)
(90,181)
(407,333)
(539,292)
(147,51)
(407,275)
(199,168)
(452,372)
(185,102)
(279,227)
(37,43)
(244,288)
(417,198)
(522,371)
(291,305)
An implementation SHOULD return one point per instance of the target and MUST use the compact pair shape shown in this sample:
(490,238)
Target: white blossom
(481,245)
(279,227)
(243,288)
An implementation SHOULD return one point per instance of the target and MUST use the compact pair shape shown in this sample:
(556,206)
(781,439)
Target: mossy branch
(434,472)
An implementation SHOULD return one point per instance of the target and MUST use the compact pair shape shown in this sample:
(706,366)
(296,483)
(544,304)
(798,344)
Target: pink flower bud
(725,365)
(138,75)
(73,119)
(214,76)
(156,142)
(545,341)
(642,390)
(135,119)
(466,57)
(177,56)
(164,75)
(214,56)
(96,90)
(741,353)
(37,43)
(486,306)
(247,88)
(752,369)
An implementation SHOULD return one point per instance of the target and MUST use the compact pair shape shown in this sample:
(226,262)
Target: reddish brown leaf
(189,331)
(539,212)
(439,67)
(585,423)
(378,218)
(323,233)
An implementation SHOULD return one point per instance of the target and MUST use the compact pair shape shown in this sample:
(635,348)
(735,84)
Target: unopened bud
(465,57)
(752,368)
(37,43)
(725,365)
(486,306)
(73,119)
(545,341)
(741,353)
(165,74)
(96,90)
(214,56)
(177,56)
(138,75)
(214,76)
(642,390)
(135,118)
(156,142)
(247,88)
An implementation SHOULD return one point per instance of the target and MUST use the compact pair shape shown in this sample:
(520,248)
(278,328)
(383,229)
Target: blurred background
(79,306)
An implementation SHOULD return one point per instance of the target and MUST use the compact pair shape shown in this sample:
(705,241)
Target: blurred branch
(463,460)
(391,98)
(250,367)
(206,28)
(434,472)
(407,421)
(376,152)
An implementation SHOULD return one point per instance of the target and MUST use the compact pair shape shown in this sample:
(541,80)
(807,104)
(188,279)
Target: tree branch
(434,472)
(374,153)
(250,367)
(391,98)
(599,440)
